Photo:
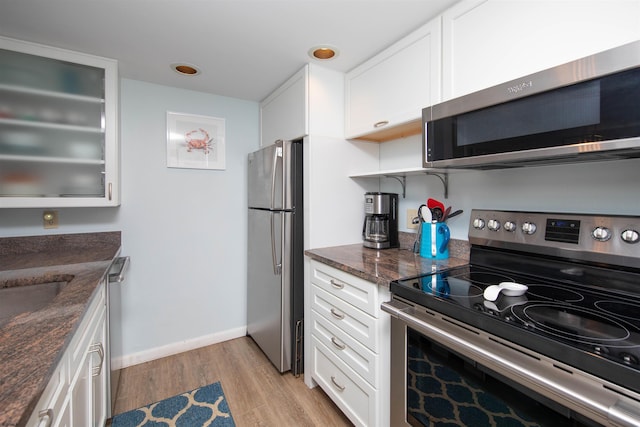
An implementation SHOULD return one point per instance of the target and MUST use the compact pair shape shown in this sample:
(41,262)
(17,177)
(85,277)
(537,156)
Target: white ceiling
(245,48)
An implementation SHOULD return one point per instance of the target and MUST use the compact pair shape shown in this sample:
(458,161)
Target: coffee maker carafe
(380,229)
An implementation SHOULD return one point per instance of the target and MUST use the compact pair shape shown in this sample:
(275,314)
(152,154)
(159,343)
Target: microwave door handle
(277,267)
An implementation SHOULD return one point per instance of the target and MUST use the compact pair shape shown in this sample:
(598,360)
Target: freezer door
(269,285)
(270,177)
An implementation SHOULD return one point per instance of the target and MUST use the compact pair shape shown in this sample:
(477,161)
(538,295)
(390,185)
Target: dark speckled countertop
(31,344)
(383,266)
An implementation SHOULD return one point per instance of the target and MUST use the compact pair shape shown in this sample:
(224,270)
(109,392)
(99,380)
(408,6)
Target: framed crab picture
(196,142)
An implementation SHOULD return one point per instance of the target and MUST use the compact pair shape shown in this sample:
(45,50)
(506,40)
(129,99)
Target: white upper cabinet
(58,128)
(284,114)
(384,96)
(487,42)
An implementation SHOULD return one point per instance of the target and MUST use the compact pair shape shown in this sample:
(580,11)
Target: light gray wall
(185,229)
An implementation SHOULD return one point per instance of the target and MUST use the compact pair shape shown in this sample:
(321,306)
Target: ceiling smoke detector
(185,69)
(323,53)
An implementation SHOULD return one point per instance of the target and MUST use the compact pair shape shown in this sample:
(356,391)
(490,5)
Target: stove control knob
(629,359)
(601,234)
(493,224)
(510,226)
(630,236)
(529,228)
(601,350)
(478,223)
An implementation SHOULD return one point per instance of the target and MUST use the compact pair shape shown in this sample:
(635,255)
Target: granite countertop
(32,343)
(385,265)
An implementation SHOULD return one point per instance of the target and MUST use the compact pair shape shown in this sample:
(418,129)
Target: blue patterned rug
(203,407)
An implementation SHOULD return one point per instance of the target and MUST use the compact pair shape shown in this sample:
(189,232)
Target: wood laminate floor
(257,394)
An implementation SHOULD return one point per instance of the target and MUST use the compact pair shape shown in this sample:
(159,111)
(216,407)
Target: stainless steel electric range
(565,352)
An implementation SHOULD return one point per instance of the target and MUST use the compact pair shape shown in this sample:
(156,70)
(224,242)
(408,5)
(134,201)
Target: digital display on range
(562,230)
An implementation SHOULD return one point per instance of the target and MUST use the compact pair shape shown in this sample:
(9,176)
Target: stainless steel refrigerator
(275,288)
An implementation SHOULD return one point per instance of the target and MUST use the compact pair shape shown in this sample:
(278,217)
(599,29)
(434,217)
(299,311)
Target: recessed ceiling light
(185,69)
(323,53)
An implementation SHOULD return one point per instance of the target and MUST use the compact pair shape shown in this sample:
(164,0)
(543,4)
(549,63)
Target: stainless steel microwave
(588,109)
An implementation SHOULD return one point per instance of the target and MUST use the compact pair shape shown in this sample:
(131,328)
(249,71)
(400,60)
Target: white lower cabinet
(356,397)
(64,419)
(362,360)
(76,395)
(350,343)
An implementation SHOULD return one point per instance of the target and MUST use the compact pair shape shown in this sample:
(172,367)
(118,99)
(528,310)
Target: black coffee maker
(380,229)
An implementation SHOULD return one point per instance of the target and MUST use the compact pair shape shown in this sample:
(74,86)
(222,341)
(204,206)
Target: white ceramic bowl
(512,289)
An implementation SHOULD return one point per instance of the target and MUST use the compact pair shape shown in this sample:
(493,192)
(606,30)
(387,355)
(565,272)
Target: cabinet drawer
(358,357)
(351,289)
(349,319)
(355,397)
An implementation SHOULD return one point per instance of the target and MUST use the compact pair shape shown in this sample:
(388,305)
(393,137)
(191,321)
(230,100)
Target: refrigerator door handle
(274,173)
(277,266)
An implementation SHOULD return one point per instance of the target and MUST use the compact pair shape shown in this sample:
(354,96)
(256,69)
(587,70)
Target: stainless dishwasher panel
(116,279)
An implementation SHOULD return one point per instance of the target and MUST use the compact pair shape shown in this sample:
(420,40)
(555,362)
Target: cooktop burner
(576,324)
(624,310)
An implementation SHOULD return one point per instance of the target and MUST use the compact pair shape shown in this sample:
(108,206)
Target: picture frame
(195,142)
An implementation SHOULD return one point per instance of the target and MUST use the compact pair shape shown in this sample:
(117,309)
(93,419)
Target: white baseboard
(175,348)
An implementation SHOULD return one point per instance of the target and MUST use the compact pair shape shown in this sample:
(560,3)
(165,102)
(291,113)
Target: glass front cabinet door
(58,127)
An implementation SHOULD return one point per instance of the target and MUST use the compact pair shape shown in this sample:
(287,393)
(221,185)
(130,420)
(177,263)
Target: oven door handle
(624,414)
(395,308)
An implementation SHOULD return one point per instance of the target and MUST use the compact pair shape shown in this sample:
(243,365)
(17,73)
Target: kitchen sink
(17,300)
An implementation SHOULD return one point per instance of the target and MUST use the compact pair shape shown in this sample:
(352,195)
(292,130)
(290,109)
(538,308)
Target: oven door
(446,373)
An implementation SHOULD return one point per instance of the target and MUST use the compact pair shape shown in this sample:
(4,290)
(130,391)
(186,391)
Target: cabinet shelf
(50,126)
(46,159)
(22,90)
(395,172)
(401,176)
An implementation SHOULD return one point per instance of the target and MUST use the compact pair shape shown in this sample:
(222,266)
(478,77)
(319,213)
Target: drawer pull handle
(337,285)
(381,124)
(97,348)
(337,344)
(338,386)
(46,417)
(336,314)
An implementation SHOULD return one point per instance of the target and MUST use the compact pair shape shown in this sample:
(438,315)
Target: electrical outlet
(411,213)
(50,219)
